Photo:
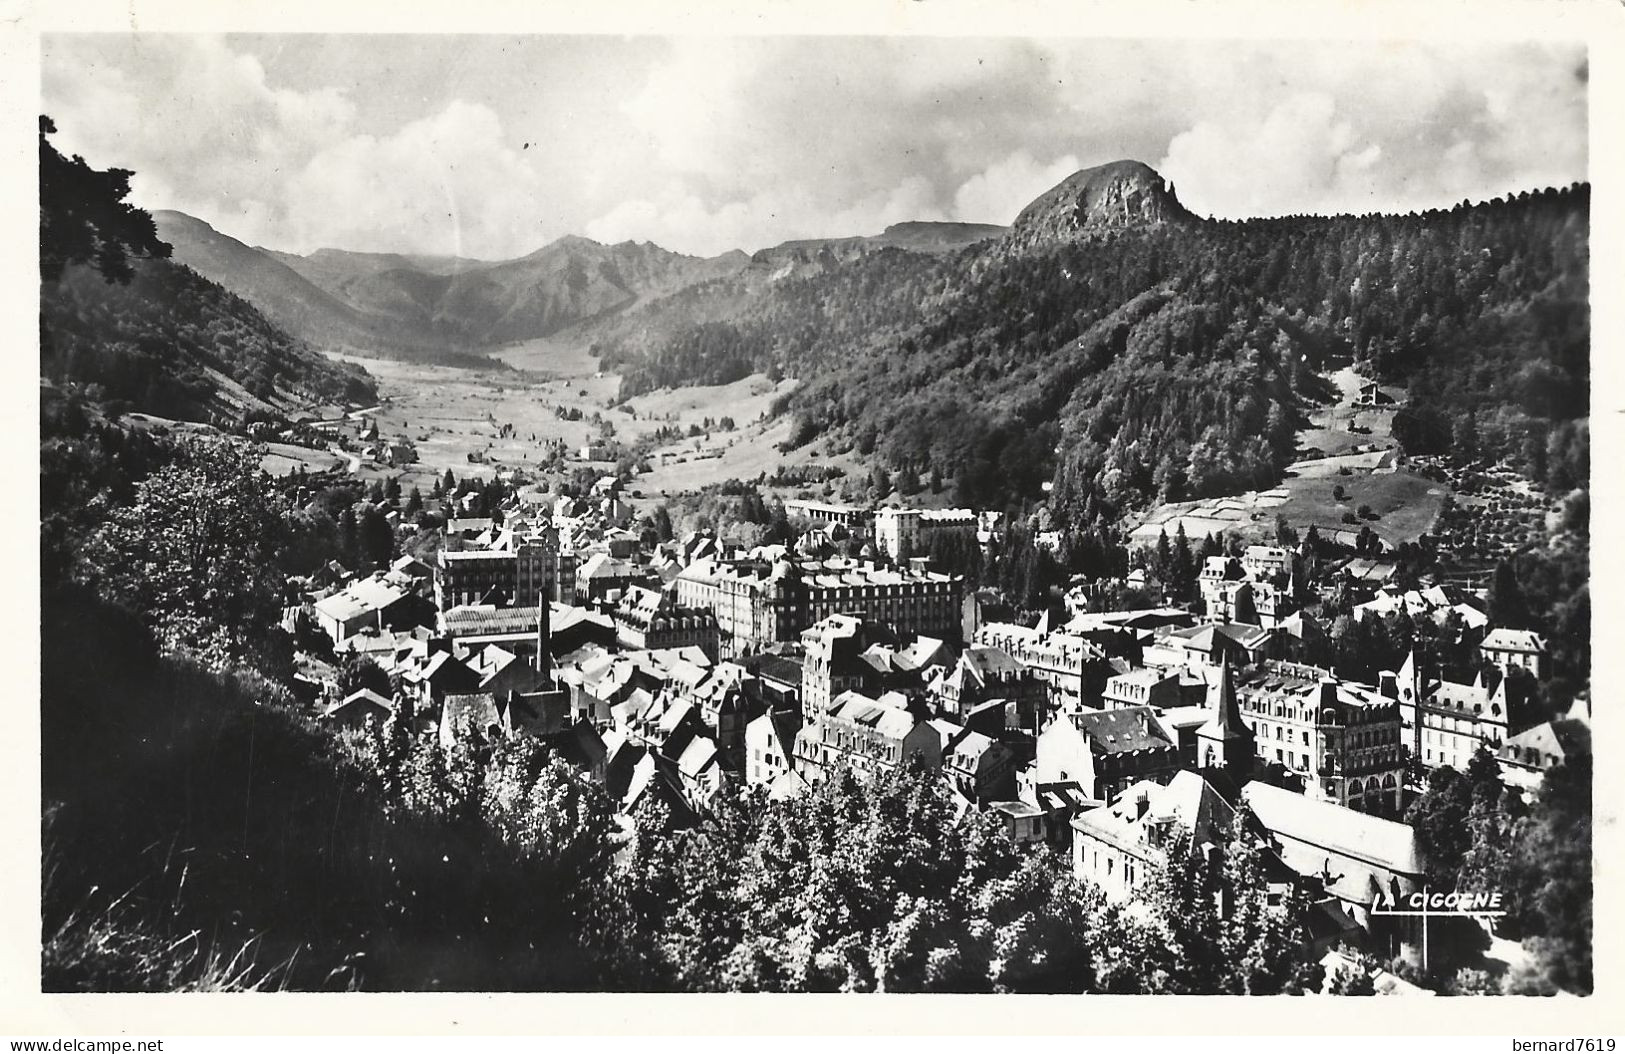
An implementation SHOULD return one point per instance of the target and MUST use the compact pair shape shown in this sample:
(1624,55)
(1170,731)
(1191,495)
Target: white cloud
(997,193)
(704,144)
(447,183)
(1291,160)
(686,223)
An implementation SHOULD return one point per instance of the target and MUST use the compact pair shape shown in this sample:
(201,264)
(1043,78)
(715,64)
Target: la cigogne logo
(1478,904)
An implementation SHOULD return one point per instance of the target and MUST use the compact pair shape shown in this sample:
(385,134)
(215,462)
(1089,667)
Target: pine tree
(1183,572)
(1507,606)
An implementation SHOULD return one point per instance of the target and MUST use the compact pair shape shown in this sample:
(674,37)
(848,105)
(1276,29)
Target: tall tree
(84,218)
(197,550)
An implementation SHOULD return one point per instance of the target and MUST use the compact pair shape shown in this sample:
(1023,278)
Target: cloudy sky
(492,146)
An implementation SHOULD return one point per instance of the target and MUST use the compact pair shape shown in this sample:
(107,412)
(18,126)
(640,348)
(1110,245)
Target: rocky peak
(1107,197)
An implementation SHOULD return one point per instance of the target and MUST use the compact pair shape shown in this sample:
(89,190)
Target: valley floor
(450,413)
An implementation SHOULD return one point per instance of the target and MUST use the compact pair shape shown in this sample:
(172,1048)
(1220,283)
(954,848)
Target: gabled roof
(985,662)
(780,725)
(1120,731)
(698,757)
(787,785)
(925,651)
(774,667)
(366,697)
(538,713)
(1329,827)
(970,746)
(444,665)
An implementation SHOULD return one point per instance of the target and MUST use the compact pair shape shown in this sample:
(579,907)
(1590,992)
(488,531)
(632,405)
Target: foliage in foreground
(879,888)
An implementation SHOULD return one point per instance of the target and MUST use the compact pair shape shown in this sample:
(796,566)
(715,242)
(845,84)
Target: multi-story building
(383,601)
(984,673)
(647,619)
(1060,659)
(758,603)
(605,577)
(1509,648)
(1120,846)
(867,735)
(1254,603)
(1161,689)
(905,533)
(834,663)
(533,568)
(1344,858)
(1264,563)
(852,517)
(1342,739)
(978,766)
(1445,722)
(1218,573)
(1257,589)
(1103,751)
(770,742)
(727,701)
(1209,645)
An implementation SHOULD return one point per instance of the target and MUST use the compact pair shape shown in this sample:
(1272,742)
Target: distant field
(1406,503)
(283,458)
(743,400)
(448,413)
(560,356)
(739,455)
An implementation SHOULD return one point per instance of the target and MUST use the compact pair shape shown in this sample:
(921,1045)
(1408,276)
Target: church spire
(1225,739)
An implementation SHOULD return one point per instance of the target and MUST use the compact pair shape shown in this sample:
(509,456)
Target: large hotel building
(1342,739)
(534,568)
(758,602)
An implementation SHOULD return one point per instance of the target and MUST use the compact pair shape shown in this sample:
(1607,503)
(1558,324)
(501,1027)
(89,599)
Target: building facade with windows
(532,569)
(1445,722)
(1343,739)
(1060,659)
(757,603)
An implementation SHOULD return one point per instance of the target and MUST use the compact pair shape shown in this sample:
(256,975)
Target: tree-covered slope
(1143,354)
(175,344)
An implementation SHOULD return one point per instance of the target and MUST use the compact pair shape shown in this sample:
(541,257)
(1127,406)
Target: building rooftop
(860,710)
(363,597)
(1520,640)
(1385,844)
(480,620)
(774,667)
(1187,801)
(1120,731)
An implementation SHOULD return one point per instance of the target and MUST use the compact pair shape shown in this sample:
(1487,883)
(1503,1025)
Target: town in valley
(1100,598)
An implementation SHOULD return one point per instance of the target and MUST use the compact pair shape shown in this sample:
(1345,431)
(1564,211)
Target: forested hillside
(174,344)
(1158,361)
